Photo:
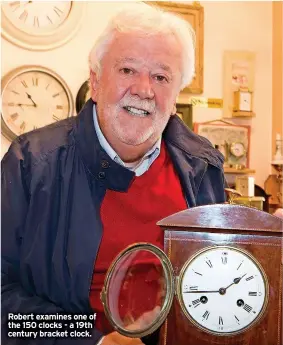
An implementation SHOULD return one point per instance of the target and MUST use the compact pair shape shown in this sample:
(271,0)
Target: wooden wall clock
(40,25)
(221,280)
(33,97)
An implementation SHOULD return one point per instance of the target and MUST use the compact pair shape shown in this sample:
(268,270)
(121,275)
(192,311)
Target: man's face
(136,91)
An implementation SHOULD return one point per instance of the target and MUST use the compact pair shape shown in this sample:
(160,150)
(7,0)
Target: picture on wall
(194,14)
(238,74)
(233,141)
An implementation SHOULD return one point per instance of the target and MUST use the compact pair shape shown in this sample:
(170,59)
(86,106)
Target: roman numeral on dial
(56,118)
(249,278)
(251,293)
(224,260)
(220,321)
(196,303)
(247,308)
(206,315)
(209,263)
(193,288)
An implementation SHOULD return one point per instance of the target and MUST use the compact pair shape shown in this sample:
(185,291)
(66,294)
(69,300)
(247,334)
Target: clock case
(244,228)
(16,73)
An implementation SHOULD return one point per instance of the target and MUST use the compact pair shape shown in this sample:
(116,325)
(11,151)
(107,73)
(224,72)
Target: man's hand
(115,338)
(278,213)
(143,321)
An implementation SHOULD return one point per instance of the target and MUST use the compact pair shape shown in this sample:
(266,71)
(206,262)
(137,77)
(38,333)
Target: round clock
(38,25)
(237,149)
(82,96)
(223,290)
(32,97)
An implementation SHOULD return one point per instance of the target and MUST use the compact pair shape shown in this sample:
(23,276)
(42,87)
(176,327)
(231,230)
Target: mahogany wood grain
(255,231)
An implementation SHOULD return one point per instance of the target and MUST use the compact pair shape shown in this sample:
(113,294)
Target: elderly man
(74,194)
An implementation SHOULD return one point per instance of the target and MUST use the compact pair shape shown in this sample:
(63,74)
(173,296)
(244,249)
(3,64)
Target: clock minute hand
(235,281)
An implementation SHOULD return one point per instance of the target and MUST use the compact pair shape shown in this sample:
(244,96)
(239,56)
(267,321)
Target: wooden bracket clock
(218,280)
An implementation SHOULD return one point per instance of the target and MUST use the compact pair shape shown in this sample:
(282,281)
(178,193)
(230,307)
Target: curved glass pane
(136,290)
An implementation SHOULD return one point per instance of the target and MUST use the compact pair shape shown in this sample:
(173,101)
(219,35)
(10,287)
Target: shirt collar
(144,163)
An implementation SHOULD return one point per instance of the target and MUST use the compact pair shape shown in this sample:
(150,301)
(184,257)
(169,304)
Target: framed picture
(238,74)
(185,112)
(233,141)
(194,14)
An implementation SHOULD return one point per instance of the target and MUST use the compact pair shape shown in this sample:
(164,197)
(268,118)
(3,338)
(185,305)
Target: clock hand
(235,281)
(202,291)
(26,105)
(29,96)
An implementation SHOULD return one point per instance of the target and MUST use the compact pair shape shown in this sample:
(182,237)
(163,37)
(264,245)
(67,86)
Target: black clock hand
(25,105)
(202,291)
(29,96)
(235,281)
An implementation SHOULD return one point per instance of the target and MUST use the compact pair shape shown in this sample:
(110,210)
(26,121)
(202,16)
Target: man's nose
(142,87)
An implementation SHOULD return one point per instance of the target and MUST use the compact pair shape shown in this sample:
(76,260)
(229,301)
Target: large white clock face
(223,290)
(36,17)
(33,99)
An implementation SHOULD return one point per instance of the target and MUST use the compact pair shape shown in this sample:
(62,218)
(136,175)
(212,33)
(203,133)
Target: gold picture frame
(194,14)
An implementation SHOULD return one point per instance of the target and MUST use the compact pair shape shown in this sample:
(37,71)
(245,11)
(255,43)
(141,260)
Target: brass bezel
(182,304)
(234,143)
(168,270)
(6,131)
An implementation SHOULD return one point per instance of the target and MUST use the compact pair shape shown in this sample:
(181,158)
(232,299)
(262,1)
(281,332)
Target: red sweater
(131,217)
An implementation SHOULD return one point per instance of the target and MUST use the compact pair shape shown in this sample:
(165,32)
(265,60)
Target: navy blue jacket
(53,182)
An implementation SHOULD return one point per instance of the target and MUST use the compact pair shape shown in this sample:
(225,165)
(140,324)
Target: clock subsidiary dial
(223,290)
(33,97)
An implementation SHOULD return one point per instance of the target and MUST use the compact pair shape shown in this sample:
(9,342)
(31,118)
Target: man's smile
(136,111)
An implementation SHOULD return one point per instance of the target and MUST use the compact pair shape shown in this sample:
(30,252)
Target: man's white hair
(147,20)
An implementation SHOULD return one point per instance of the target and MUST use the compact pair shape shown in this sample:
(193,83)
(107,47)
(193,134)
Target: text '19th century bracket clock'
(218,280)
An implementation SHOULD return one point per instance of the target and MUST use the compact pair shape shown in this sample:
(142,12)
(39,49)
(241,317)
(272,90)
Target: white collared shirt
(142,166)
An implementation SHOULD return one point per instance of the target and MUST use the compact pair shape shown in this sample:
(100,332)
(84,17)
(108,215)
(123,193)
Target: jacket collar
(116,177)
(100,166)
(179,135)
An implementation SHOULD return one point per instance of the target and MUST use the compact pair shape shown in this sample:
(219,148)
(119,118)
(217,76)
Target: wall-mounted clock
(32,97)
(82,96)
(40,25)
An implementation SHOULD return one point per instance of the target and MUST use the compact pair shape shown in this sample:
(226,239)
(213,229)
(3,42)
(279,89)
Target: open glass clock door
(138,290)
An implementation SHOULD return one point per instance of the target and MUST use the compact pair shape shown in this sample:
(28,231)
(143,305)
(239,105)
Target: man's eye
(161,78)
(126,71)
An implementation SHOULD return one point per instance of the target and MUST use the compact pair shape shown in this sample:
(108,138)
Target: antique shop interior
(235,99)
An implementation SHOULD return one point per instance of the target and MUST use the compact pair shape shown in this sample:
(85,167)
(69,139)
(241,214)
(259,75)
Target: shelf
(238,171)
(243,114)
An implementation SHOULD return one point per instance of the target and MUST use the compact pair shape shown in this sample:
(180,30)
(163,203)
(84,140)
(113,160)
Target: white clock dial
(223,290)
(36,17)
(245,101)
(41,25)
(237,149)
(34,98)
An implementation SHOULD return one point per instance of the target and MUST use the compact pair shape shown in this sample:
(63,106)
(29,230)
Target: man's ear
(93,85)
